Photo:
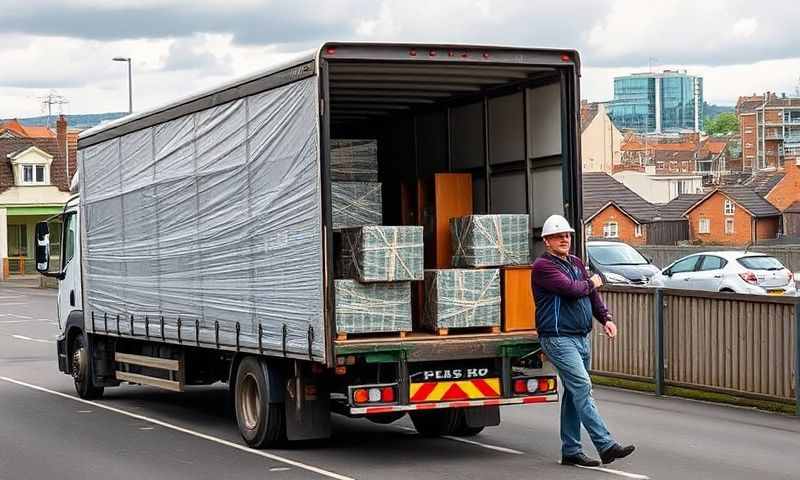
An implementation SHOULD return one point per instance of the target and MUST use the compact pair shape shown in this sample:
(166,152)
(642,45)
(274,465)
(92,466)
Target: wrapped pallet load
(356,204)
(372,307)
(382,254)
(490,240)
(461,298)
(354,160)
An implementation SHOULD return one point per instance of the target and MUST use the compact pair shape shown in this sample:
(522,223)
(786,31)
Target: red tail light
(749,277)
(387,395)
(520,386)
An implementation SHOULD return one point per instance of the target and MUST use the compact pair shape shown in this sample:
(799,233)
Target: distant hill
(84,121)
(710,111)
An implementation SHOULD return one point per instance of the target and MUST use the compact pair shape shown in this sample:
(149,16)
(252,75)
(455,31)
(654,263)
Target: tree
(723,124)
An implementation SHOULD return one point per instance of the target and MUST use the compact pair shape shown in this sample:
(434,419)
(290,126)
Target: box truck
(199,246)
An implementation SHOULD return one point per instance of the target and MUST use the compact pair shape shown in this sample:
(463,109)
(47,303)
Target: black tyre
(465,431)
(81,370)
(386,418)
(261,421)
(434,423)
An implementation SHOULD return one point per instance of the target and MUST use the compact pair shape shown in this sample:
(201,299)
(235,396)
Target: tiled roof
(677,206)
(734,178)
(588,112)
(27,130)
(763,182)
(675,147)
(749,104)
(749,199)
(600,189)
(49,145)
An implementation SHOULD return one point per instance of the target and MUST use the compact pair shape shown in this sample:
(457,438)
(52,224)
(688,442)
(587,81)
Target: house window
(610,230)
(637,230)
(704,226)
(728,226)
(33,174)
(729,208)
(589,231)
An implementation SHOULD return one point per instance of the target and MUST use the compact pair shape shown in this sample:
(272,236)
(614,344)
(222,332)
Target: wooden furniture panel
(452,198)
(518,305)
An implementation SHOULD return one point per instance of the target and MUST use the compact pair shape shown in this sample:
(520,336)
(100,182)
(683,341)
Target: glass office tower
(658,102)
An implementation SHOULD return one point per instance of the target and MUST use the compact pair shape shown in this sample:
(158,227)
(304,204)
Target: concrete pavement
(147,433)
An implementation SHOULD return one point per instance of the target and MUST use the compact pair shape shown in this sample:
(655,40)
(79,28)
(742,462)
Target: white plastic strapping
(212,217)
(460,298)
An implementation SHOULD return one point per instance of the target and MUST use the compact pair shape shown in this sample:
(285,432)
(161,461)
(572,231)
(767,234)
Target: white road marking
(310,468)
(279,469)
(5,304)
(147,428)
(84,411)
(15,315)
(477,444)
(9,322)
(617,472)
(23,337)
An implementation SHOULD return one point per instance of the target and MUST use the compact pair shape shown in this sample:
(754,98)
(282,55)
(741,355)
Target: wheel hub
(250,401)
(78,364)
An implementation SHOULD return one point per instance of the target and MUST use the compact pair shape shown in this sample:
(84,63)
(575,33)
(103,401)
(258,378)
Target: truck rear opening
(507,118)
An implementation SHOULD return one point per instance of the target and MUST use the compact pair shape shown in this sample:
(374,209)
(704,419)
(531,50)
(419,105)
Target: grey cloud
(182,56)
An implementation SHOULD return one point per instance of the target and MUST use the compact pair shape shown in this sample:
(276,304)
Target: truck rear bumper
(457,404)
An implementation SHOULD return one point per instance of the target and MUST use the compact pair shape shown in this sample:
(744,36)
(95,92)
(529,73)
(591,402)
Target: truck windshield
(620,254)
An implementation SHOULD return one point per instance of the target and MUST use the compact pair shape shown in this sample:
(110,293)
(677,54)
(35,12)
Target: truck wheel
(261,422)
(81,374)
(434,423)
(465,431)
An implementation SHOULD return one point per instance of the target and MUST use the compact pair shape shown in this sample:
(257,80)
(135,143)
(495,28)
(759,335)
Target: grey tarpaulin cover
(490,240)
(213,217)
(354,160)
(372,307)
(382,254)
(356,204)
(461,298)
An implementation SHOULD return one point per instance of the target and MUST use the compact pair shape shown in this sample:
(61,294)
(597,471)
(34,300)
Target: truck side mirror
(42,247)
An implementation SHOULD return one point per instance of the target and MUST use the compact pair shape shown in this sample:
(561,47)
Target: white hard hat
(556,224)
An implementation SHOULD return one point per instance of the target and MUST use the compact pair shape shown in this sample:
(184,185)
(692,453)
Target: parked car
(619,263)
(731,271)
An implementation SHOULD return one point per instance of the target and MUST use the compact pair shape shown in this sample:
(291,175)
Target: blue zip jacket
(565,298)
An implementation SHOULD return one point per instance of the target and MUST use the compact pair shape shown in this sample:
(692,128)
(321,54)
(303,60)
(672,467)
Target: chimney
(61,139)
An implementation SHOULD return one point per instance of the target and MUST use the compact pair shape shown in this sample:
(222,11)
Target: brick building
(733,215)
(770,129)
(613,211)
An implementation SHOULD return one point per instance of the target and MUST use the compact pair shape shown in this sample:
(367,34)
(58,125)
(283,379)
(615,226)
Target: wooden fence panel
(730,342)
(631,353)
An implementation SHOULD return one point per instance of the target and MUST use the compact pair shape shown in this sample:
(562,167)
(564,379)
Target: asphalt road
(144,433)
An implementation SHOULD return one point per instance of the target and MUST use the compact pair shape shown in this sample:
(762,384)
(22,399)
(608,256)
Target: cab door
(69,292)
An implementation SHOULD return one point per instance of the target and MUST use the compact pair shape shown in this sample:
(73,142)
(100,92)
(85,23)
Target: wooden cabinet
(517,294)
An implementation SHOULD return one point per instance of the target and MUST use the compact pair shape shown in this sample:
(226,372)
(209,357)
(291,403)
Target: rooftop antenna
(50,99)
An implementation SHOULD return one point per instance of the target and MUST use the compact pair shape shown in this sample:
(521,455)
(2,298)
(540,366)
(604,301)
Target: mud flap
(308,413)
(475,417)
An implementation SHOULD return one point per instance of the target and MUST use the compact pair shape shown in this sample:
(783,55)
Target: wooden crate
(518,306)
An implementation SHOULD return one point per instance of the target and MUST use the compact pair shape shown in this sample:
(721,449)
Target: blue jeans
(572,358)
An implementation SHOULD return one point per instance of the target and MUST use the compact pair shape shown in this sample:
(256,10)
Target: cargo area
(451,139)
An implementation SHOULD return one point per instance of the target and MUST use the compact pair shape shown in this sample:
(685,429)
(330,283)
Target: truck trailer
(200,246)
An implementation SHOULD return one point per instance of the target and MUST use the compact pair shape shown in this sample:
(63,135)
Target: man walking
(566,299)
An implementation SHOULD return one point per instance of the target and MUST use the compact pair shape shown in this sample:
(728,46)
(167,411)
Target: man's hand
(610,328)
(596,281)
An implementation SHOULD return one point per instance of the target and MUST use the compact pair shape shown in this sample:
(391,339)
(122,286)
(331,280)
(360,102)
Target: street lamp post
(130,85)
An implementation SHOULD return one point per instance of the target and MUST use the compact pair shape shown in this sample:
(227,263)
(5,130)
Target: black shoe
(616,451)
(579,459)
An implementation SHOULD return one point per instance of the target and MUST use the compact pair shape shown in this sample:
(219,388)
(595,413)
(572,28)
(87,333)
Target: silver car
(729,271)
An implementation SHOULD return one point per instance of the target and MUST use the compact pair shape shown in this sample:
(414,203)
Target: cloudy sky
(179,47)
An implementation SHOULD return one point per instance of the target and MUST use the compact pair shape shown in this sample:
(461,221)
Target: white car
(729,271)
